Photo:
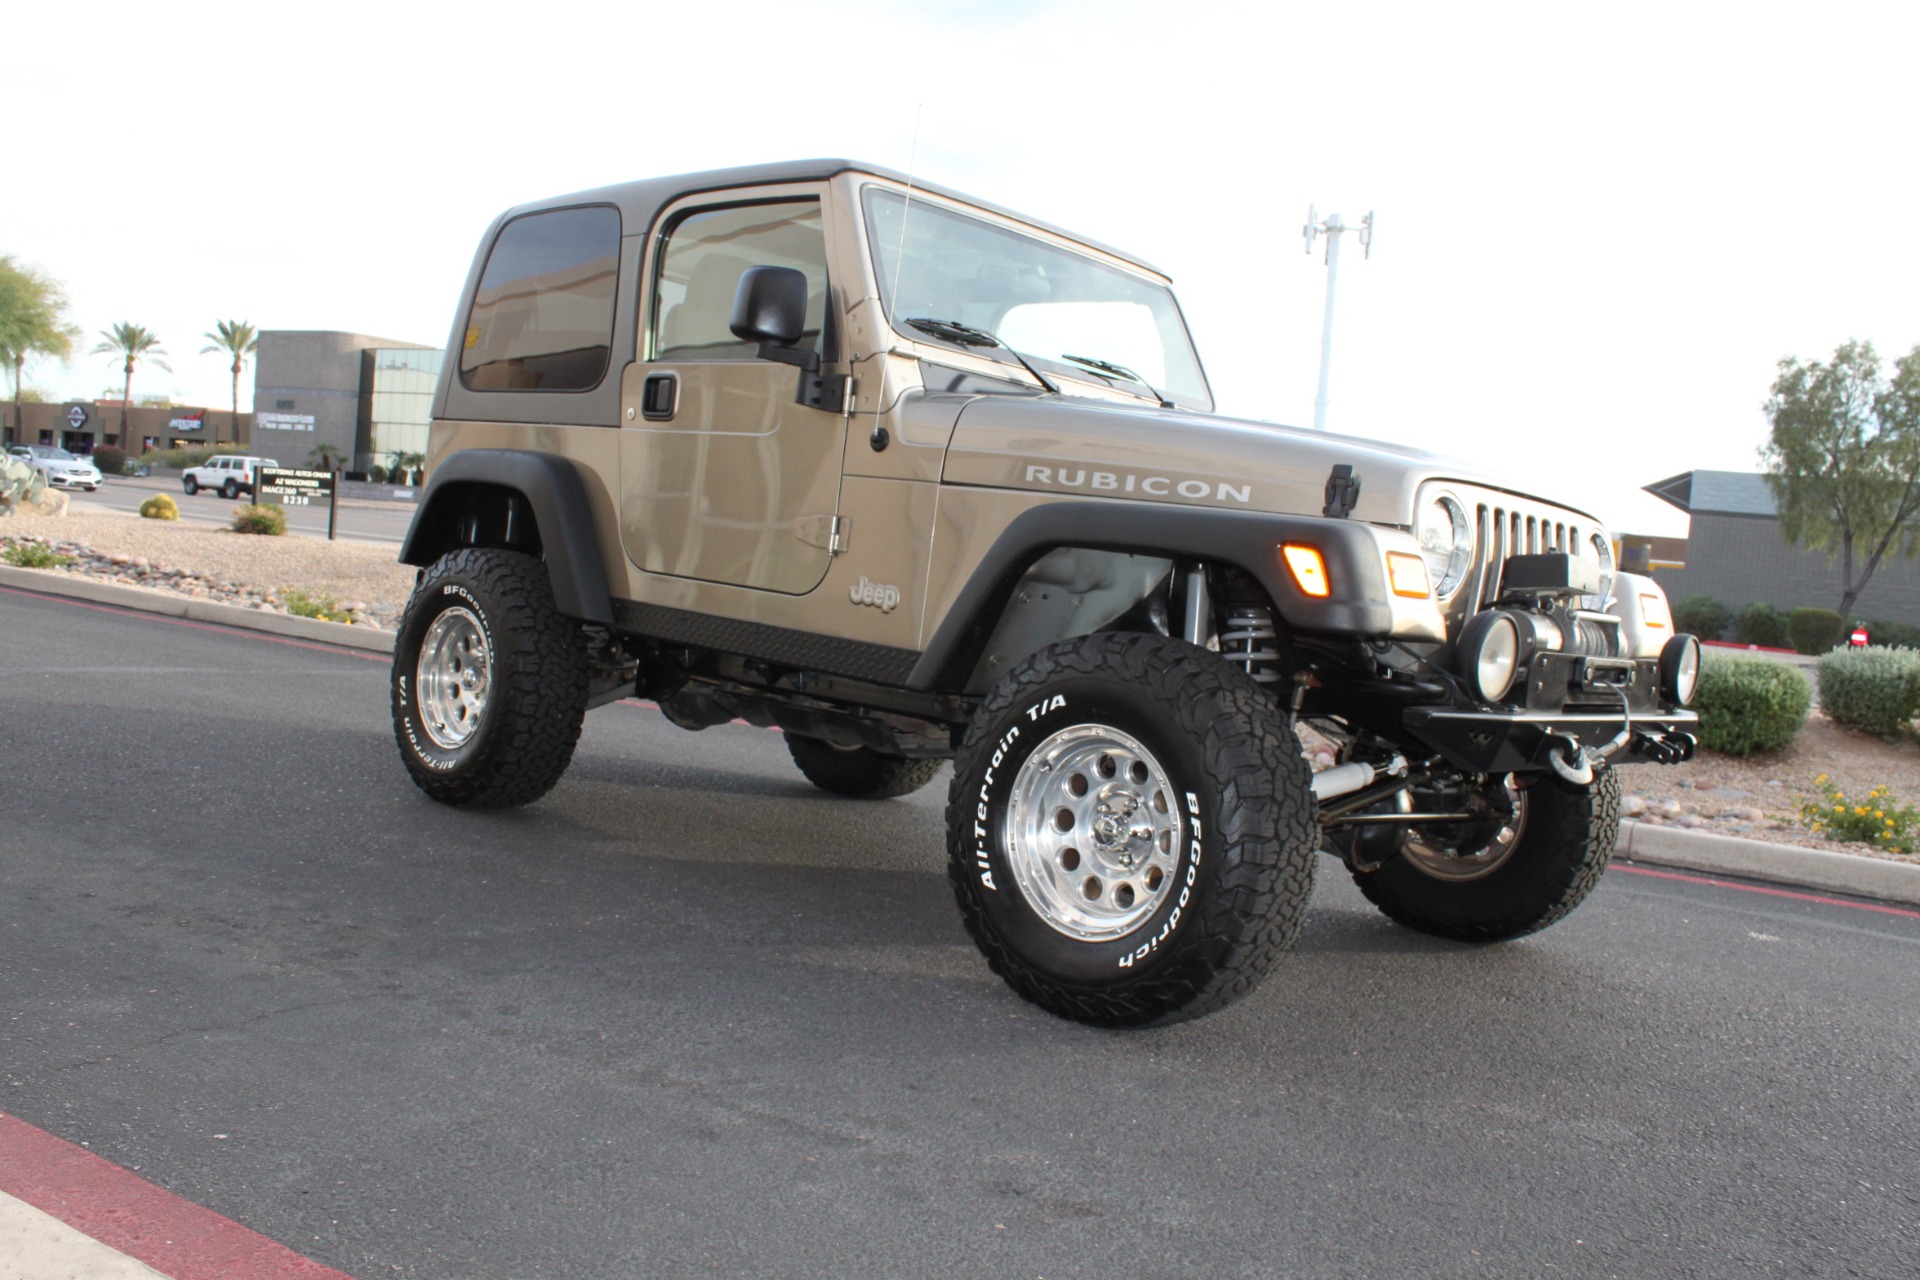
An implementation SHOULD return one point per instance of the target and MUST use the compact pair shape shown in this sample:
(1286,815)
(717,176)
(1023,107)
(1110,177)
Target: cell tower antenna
(1332,228)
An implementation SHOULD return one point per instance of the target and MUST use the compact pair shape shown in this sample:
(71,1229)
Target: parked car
(230,474)
(63,470)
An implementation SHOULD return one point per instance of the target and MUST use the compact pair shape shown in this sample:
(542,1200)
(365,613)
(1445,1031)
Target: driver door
(726,478)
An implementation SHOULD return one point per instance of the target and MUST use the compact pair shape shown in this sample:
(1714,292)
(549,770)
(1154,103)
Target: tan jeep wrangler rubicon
(915,478)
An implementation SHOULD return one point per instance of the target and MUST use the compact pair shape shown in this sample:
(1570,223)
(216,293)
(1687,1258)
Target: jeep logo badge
(878,594)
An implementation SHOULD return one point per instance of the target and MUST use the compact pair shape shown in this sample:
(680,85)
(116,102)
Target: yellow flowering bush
(1870,819)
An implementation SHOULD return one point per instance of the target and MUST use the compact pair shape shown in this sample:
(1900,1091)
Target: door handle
(659,396)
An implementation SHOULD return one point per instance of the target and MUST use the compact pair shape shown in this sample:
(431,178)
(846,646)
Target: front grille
(1506,528)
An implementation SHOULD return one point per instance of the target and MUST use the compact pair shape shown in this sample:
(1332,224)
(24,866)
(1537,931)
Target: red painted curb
(124,1211)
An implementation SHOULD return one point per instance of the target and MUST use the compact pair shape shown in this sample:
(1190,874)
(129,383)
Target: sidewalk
(1703,851)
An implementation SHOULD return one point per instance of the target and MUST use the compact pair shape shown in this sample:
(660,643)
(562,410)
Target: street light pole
(1332,229)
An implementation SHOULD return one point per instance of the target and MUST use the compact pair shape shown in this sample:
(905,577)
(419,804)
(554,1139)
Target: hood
(1104,449)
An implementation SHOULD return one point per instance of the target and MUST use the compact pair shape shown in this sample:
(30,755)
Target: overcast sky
(1599,226)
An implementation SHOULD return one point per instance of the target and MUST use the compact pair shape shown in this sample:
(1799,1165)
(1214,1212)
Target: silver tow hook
(1575,763)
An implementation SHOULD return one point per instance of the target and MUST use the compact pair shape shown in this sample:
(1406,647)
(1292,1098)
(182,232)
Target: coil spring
(1250,639)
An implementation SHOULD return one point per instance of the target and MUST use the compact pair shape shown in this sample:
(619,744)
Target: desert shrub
(303,605)
(31,555)
(1761,624)
(1877,690)
(1750,704)
(1871,819)
(1703,616)
(111,459)
(1893,635)
(268,518)
(1815,630)
(160,507)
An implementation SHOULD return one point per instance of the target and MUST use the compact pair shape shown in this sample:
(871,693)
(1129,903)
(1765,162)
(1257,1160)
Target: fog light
(1490,654)
(1309,570)
(1680,669)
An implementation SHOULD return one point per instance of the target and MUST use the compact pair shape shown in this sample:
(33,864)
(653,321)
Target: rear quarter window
(542,317)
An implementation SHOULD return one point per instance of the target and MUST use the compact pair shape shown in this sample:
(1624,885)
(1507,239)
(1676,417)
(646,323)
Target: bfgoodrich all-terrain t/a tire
(1534,869)
(1131,830)
(859,772)
(489,681)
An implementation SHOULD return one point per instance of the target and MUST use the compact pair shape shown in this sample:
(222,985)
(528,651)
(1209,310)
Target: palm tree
(32,307)
(133,343)
(239,339)
(327,457)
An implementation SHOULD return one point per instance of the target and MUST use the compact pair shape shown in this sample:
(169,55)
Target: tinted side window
(701,267)
(542,319)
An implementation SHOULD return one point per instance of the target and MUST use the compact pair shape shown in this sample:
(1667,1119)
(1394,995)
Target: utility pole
(1332,229)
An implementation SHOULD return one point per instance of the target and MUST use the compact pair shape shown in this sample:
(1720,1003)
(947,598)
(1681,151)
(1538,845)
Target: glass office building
(396,404)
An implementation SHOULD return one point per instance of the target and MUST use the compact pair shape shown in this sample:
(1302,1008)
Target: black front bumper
(1558,706)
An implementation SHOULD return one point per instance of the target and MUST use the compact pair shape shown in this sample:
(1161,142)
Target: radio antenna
(900,250)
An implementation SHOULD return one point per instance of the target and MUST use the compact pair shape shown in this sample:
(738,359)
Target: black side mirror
(770,307)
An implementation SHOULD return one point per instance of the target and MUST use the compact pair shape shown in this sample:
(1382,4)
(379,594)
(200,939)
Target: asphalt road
(360,519)
(687,1016)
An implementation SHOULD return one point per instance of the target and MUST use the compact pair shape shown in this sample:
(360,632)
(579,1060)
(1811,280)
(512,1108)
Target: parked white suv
(230,473)
(63,470)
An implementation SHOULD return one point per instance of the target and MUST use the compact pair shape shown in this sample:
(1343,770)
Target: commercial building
(1736,553)
(367,400)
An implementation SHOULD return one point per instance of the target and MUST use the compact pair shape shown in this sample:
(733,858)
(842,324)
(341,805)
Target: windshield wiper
(967,336)
(1120,371)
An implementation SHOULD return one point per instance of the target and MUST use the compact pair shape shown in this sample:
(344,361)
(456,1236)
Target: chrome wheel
(1443,862)
(1093,832)
(453,677)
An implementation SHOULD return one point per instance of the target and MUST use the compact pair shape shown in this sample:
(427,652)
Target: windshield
(1048,303)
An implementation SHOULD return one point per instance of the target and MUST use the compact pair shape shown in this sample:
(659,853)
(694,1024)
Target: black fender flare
(1250,540)
(557,498)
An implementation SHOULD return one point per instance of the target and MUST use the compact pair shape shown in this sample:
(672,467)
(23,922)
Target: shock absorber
(1249,638)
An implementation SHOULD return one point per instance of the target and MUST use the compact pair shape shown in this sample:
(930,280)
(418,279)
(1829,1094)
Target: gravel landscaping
(360,578)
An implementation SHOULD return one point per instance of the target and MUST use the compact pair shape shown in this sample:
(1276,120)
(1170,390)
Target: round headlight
(1489,654)
(1446,541)
(1598,552)
(1680,669)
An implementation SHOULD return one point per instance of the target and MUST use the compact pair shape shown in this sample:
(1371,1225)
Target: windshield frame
(1048,239)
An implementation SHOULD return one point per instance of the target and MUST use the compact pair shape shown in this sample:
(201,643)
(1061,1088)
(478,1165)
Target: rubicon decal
(878,594)
(1124,482)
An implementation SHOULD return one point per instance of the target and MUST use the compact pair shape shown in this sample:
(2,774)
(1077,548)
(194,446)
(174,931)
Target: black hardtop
(640,202)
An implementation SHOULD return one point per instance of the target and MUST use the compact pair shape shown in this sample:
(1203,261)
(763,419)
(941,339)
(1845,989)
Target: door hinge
(830,391)
(829,533)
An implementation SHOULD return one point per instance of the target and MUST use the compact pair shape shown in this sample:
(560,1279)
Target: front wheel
(1130,830)
(1538,855)
(190,485)
(489,683)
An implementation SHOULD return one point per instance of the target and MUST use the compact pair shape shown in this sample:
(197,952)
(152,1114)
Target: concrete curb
(1639,842)
(55,583)
(1848,873)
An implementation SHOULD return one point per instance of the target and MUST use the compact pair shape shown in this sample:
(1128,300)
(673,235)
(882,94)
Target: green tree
(327,457)
(1843,459)
(32,323)
(131,343)
(239,339)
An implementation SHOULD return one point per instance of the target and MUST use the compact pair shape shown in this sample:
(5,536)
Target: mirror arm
(807,361)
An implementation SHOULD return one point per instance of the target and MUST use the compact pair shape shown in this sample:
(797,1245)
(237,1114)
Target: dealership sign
(284,421)
(189,421)
(76,417)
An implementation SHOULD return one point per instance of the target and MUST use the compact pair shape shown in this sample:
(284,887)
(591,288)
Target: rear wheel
(489,684)
(1535,858)
(859,772)
(230,490)
(1130,830)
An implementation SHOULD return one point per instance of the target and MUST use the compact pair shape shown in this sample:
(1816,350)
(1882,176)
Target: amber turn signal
(1308,569)
(1408,574)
